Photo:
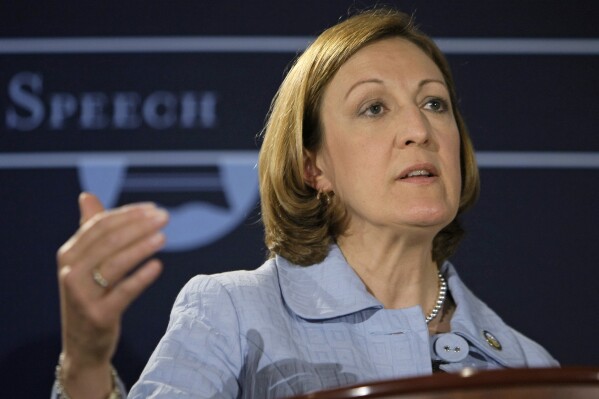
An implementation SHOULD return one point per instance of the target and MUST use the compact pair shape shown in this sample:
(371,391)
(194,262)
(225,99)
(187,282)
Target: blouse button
(450,347)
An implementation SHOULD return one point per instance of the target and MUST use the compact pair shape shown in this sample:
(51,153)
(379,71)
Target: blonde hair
(299,223)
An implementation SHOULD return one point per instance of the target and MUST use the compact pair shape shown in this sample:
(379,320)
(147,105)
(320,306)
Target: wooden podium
(550,383)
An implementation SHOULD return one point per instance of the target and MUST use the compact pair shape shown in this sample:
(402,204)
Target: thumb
(89,205)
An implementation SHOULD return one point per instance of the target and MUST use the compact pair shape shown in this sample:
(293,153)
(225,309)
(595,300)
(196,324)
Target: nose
(413,128)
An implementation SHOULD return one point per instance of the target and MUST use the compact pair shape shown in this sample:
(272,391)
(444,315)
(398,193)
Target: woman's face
(391,144)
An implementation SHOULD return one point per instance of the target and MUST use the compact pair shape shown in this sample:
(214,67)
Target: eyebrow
(420,84)
(427,81)
(358,83)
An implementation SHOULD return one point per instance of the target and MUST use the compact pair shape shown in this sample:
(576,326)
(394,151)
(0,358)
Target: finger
(122,238)
(89,206)
(114,268)
(100,231)
(124,293)
(109,219)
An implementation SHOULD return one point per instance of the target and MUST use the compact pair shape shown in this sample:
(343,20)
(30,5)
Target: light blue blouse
(283,330)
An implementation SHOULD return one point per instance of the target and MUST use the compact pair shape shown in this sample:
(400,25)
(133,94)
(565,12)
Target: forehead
(390,58)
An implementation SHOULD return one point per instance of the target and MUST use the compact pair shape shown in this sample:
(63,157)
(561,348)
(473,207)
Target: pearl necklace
(440,298)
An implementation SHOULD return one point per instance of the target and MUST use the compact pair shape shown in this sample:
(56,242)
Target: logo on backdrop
(192,224)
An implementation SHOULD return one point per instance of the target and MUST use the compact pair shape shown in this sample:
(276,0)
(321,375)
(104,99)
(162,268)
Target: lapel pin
(492,341)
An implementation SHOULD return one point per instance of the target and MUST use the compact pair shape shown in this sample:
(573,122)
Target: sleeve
(200,354)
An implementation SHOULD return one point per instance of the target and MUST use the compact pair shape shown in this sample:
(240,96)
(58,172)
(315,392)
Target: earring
(324,196)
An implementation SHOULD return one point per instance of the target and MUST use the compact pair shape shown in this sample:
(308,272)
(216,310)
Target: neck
(397,270)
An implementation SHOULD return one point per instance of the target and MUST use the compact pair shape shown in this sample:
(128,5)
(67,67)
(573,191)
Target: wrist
(75,381)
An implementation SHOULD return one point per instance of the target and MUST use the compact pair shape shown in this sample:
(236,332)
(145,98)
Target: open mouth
(418,171)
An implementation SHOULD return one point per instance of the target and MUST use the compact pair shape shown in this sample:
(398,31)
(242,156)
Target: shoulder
(229,289)
(476,321)
(233,280)
(536,355)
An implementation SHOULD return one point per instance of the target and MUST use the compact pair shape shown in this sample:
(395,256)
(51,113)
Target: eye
(436,105)
(374,109)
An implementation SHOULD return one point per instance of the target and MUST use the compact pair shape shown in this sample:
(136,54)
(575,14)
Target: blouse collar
(331,289)
(324,290)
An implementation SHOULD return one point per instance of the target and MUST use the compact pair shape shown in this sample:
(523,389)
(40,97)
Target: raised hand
(98,279)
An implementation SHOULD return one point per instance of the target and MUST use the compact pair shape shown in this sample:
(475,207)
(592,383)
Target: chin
(437,218)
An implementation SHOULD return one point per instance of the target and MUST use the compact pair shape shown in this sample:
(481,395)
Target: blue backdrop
(162,101)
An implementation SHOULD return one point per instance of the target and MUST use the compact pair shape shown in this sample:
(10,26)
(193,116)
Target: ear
(314,176)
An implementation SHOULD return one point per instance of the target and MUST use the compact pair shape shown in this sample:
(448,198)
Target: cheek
(342,154)
(352,169)
(451,149)
(457,170)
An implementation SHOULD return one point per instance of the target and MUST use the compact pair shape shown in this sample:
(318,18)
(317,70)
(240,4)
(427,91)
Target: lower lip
(419,179)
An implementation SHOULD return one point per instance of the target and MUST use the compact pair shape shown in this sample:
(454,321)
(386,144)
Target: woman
(365,166)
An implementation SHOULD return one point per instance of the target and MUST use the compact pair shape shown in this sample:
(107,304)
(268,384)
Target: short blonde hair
(299,224)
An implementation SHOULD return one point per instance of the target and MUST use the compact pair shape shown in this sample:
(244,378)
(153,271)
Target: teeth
(420,172)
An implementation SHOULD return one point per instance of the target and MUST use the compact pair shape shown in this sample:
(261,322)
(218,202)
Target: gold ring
(99,279)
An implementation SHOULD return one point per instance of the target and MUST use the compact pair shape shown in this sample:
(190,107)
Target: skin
(114,242)
(386,111)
